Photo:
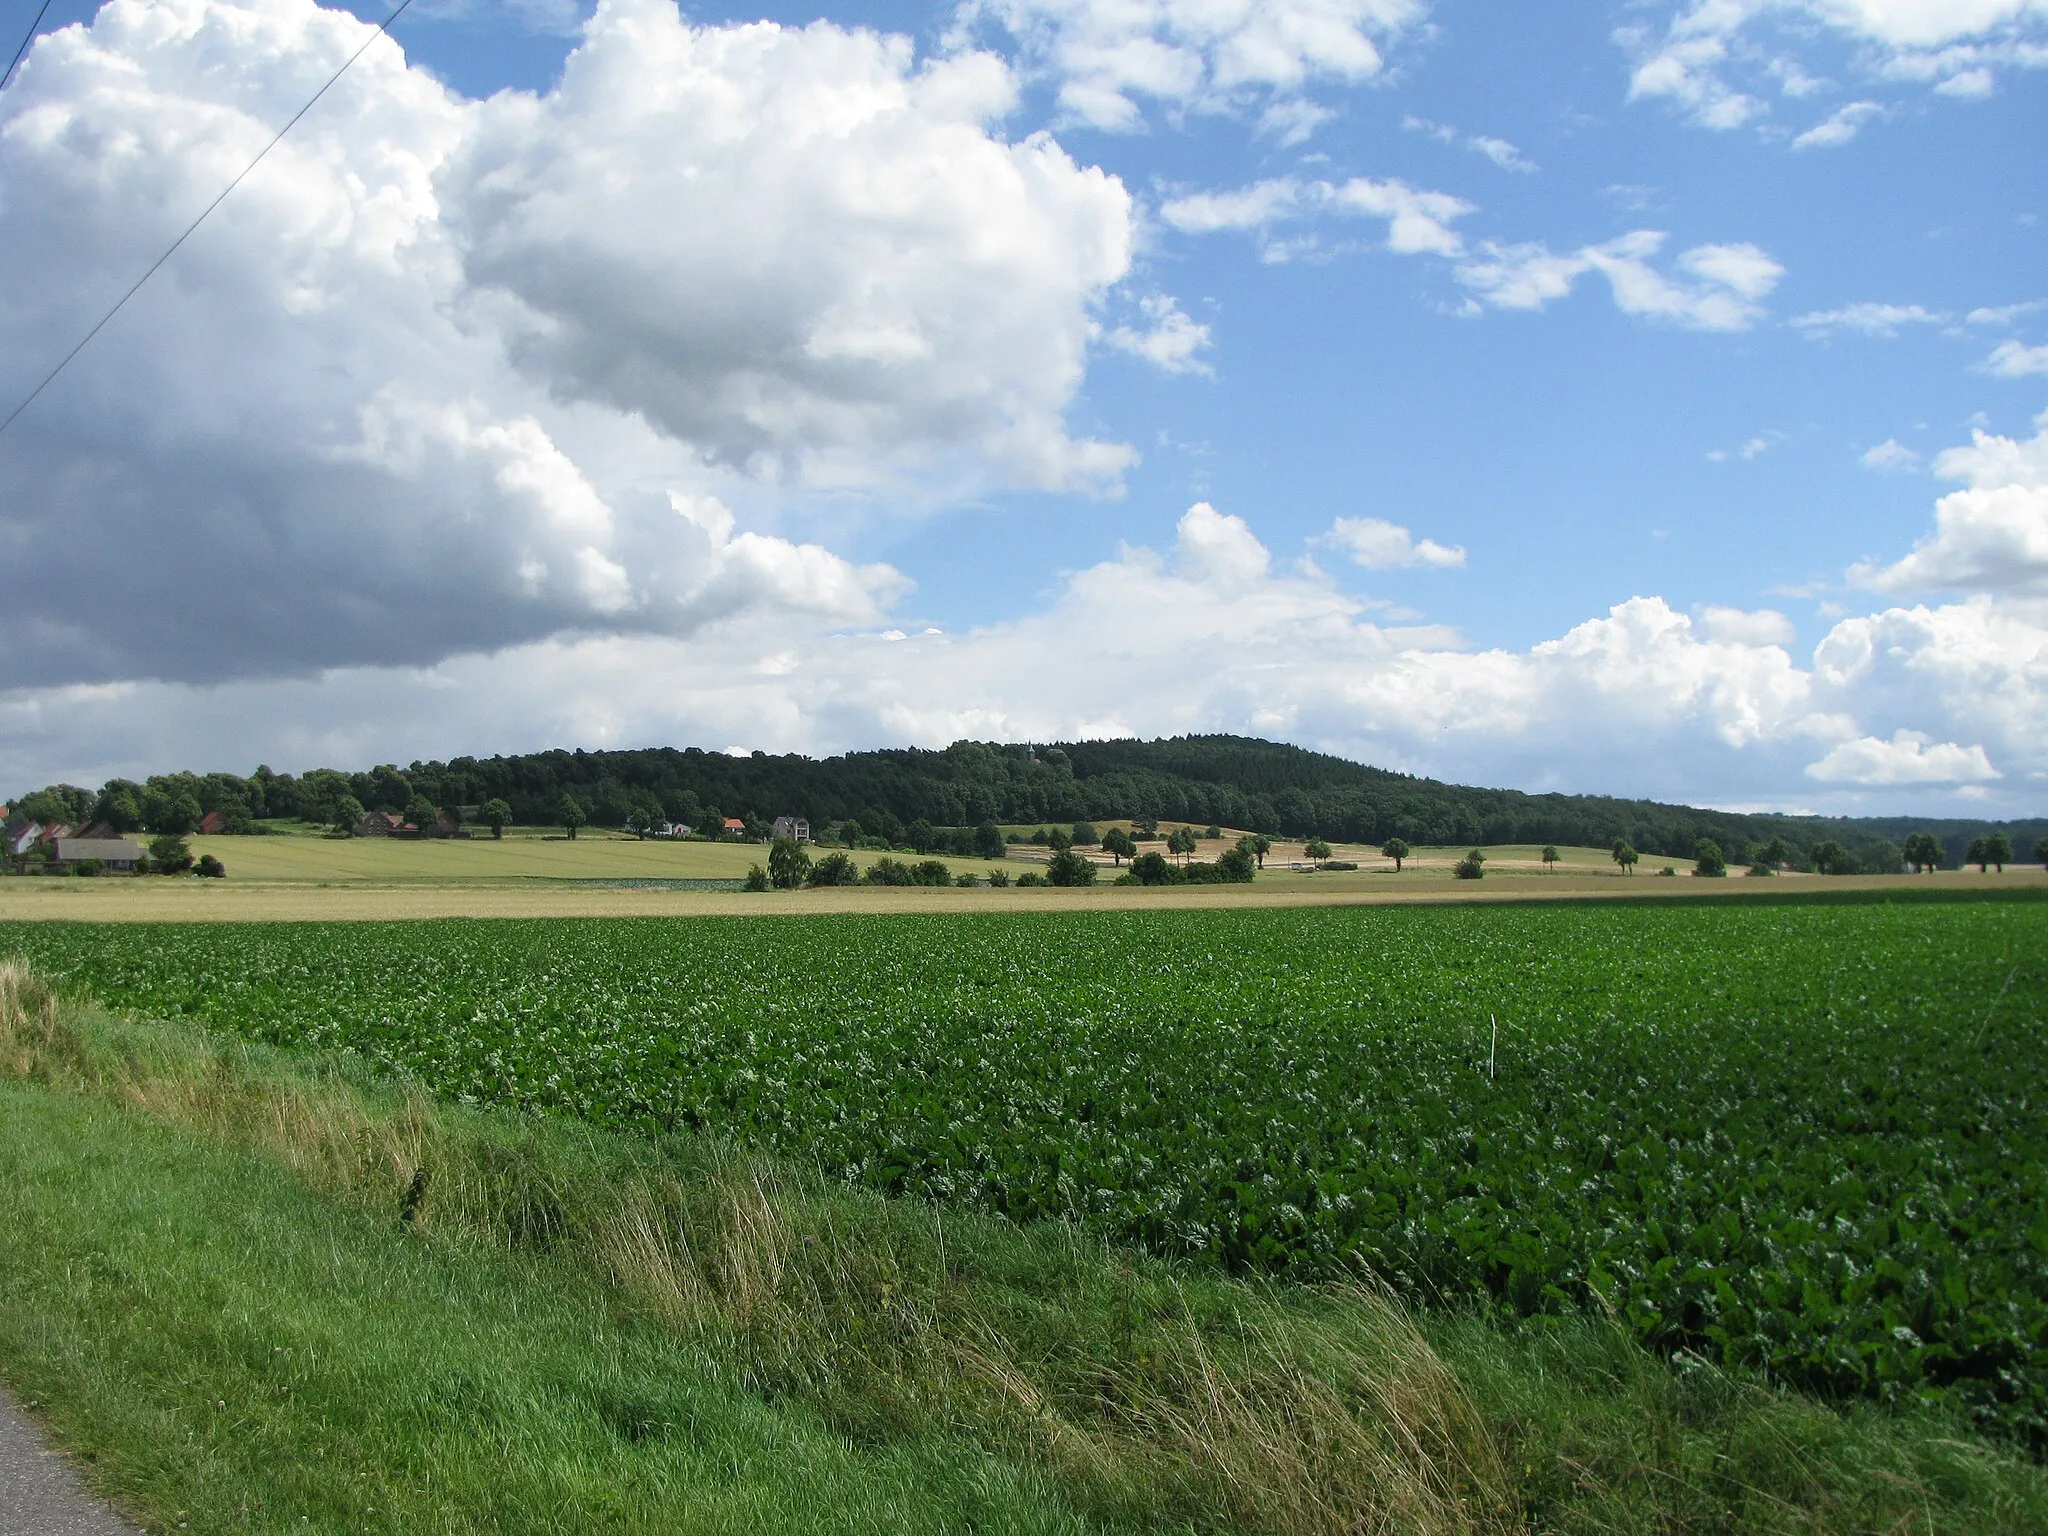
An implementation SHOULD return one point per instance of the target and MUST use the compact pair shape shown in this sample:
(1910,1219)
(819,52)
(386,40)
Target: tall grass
(1144,1395)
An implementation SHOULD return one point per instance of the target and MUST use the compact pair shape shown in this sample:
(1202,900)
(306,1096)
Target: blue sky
(1696,316)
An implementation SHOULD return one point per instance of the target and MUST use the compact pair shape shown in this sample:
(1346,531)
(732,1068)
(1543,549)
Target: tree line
(941,801)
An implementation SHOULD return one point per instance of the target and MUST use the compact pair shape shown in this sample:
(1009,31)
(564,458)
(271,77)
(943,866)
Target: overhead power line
(11,63)
(173,247)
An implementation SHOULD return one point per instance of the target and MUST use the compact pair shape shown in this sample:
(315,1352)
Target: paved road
(40,1495)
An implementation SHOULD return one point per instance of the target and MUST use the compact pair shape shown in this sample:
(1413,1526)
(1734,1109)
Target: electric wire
(23,49)
(173,249)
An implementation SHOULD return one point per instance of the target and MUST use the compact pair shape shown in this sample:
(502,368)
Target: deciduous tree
(1069,868)
(169,854)
(1831,858)
(1151,868)
(497,815)
(834,869)
(1923,851)
(788,864)
(1397,850)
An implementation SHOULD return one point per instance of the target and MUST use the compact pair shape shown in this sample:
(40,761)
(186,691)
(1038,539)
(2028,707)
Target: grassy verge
(261,1289)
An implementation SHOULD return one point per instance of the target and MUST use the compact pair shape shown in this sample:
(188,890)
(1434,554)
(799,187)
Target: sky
(1643,398)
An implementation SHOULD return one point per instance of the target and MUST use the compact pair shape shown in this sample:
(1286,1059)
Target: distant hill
(1233,781)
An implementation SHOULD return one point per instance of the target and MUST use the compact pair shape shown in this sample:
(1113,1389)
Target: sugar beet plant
(1807,1138)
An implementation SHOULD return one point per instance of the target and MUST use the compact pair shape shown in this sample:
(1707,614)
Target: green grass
(231,1353)
(217,1302)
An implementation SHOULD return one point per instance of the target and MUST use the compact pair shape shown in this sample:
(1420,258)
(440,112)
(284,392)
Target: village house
(211,823)
(380,824)
(796,827)
(47,838)
(111,852)
(23,838)
(735,827)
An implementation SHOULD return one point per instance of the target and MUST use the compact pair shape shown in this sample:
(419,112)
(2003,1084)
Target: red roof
(735,824)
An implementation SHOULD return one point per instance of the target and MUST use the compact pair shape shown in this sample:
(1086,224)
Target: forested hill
(1232,781)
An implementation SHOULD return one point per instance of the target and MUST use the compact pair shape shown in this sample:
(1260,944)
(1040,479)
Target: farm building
(380,824)
(111,852)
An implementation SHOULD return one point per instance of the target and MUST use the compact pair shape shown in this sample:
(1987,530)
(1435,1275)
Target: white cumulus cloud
(1108,58)
(1910,757)
(1168,339)
(2016,360)
(1902,707)
(1719,61)
(1763,626)
(426,382)
(1991,536)
(1377,544)
(845,256)
(1714,287)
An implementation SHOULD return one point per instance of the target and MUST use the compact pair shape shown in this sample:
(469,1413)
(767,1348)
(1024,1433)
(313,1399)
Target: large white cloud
(1908,758)
(1991,536)
(1107,58)
(1721,61)
(792,242)
(426,382)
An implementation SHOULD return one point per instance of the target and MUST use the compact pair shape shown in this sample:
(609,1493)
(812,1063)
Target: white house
(24,840)
(794,827)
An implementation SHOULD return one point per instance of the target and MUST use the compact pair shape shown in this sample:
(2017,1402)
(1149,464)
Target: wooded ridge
(1229,781)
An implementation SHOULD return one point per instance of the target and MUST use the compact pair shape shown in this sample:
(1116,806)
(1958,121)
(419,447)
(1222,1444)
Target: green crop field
(1805,1137)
